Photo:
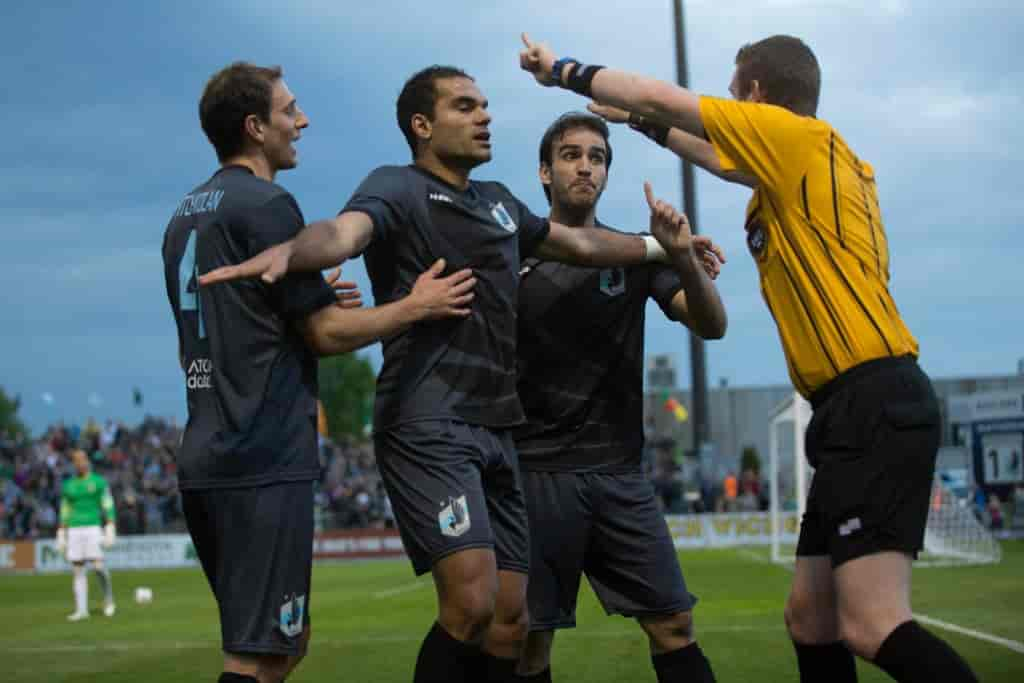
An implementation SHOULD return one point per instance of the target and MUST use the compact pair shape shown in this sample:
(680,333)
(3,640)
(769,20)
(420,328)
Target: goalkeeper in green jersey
(85,503)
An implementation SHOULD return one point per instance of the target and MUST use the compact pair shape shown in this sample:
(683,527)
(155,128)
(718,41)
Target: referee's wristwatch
(558,67)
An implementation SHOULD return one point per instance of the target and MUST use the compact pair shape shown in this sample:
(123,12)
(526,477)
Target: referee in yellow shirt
(815,231)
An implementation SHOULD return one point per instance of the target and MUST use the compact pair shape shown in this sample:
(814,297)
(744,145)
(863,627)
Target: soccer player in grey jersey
(248,349)
(446,398)
(580,349)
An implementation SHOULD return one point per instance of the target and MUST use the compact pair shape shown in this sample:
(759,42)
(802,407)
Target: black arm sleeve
(383,196)
(664,285)
(532,228)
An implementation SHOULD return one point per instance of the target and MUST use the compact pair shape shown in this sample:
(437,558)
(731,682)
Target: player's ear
(254,128)
(756,94)
(544,173)
(422,127)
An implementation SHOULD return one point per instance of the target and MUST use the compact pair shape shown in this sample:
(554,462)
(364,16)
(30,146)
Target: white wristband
(655,252)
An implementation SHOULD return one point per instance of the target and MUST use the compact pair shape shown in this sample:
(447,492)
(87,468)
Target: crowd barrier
(176,550)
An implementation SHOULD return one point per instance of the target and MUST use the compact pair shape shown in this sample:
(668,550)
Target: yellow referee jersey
(815,230)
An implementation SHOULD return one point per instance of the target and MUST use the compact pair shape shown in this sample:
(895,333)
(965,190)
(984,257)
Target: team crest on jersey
(501,215)
(292,613)
(454,517)
(757,237)
(613,281)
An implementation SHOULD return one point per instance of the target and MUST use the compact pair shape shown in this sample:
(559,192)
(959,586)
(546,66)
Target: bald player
(86,528)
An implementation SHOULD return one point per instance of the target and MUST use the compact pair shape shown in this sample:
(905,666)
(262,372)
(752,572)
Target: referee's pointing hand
(537,59)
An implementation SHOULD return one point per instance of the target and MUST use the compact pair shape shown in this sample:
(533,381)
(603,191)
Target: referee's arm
(666,103)
(697,151)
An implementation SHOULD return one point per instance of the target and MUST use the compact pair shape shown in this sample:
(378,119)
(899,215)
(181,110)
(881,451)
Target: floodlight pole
(698,367)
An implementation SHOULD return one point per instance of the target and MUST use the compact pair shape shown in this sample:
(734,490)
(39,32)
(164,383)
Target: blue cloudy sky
(102,140)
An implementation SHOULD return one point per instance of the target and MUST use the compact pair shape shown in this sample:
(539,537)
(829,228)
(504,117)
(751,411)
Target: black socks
(687,664)
(831,662)
(444,659)
(911,654)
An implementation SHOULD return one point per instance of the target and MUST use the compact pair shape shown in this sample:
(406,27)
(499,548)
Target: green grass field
(369,619)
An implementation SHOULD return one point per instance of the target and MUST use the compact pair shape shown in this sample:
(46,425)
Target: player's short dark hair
(562,125)
(419,96)
(786,70)
(231,94)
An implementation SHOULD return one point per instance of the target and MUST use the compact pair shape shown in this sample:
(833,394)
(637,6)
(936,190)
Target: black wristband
(580,77)
(655,131)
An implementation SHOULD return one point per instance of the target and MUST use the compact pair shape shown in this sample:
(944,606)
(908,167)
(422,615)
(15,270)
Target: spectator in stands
(995,513)
(139,465)
(730,491)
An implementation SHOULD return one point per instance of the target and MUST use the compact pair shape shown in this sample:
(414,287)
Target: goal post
(954,535)
(788,471)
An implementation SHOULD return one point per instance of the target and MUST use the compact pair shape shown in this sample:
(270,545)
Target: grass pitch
(369,618)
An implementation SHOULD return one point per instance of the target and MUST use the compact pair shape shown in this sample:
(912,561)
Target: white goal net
(954,536)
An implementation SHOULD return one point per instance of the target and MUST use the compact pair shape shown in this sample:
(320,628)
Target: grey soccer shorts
(454,486)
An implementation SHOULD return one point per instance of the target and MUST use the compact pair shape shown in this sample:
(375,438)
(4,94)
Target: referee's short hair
(231,94)
(419,96)
(786,70)
(562,125)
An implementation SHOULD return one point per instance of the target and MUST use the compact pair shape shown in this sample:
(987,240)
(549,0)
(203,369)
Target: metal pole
(698,367)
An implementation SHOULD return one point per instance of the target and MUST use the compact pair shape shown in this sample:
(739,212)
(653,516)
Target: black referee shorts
(873,441)
(256,549)
(609,527)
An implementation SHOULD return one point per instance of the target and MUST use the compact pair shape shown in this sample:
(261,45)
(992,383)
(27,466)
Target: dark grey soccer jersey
(581,351)
(462,369)
(251,380)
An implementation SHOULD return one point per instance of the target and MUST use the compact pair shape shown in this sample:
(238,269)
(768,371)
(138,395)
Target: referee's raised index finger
(526,40)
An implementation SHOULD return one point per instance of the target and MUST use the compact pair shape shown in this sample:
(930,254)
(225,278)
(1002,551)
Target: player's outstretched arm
(605,248)
(320,245)
(698,305)
(697,151)
(335,329)
(666,103)
(598,248)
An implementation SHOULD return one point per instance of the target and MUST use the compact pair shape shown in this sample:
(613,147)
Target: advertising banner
(129,552)
(176,550)
(726,530)
(357,543)
(17,556)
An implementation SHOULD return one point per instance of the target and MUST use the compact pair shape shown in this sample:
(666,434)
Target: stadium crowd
(138,463)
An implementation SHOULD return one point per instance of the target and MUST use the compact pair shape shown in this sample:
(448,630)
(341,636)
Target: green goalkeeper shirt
(85,501)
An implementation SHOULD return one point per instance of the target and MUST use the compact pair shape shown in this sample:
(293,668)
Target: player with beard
(446,395)
(815,230)
(248,457)
(580,348)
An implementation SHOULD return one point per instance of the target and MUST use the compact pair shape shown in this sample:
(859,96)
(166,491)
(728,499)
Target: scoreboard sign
(995,422)
(1000,449)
